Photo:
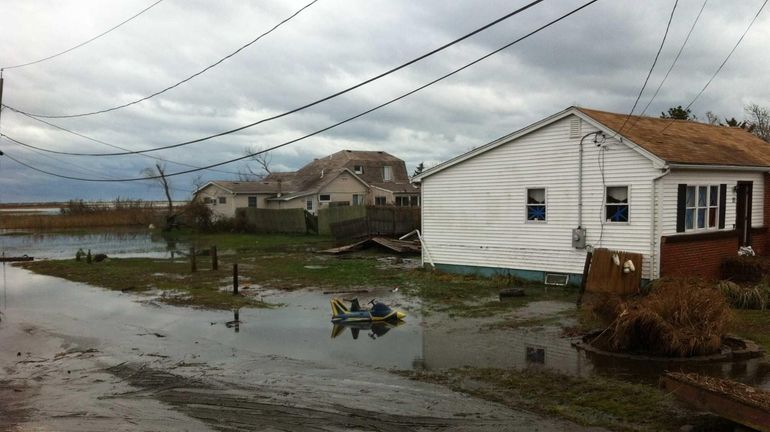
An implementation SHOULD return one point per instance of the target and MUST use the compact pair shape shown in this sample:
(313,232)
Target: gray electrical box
(579,238)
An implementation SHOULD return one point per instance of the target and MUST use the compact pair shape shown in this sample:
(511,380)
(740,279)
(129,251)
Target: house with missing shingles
(683,194)
(348,177)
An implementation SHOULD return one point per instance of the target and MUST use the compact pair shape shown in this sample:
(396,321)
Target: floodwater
(299,329)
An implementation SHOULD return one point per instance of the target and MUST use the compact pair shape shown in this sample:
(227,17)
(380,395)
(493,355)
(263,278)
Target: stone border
(751,350)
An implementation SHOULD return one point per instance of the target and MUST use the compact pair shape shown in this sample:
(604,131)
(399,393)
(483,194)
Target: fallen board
(398,246)
(14,259)
(720,402)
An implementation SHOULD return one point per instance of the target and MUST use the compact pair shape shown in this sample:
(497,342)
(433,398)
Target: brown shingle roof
(689,142)
(309,176)
(246,187)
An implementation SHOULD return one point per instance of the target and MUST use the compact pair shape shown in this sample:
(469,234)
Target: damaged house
(348,177)
(683,194)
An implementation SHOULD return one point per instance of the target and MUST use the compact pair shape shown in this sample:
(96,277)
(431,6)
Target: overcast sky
(597,58)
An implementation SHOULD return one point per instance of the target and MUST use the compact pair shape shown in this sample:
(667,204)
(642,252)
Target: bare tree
(198,182)
(158,174)
(759,120)
(263,161)
(712,118)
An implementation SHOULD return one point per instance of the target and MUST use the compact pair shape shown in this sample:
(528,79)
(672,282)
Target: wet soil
(69,387)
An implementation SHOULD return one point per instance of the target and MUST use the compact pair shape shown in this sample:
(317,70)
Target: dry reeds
(104,218)
(746,297)
(679,318)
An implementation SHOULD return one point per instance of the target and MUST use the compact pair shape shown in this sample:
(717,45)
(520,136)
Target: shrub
(680,318)
(746,297)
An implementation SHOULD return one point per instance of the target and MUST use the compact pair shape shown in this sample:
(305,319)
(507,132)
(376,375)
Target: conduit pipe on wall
(580,178)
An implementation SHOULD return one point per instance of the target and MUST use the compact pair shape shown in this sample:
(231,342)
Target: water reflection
(125,242)
(374,329)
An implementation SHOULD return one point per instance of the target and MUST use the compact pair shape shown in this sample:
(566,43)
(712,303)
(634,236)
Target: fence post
(193,263)
(214,258)
(235,279)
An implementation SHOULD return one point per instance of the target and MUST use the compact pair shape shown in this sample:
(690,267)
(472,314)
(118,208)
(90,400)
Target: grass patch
(753,325)
(290,262)
(595,401)
(199,289)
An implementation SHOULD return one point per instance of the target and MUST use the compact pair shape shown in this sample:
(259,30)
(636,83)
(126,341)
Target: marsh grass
(95,219)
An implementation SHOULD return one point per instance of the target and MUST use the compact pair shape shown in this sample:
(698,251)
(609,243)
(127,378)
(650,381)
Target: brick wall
(701,255)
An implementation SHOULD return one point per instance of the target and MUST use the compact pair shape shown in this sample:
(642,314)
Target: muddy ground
(56,382)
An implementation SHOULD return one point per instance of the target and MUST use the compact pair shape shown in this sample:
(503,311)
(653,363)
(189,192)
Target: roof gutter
(682,166)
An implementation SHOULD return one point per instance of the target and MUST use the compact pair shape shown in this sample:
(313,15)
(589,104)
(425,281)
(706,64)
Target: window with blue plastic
(616,204)
(536,205)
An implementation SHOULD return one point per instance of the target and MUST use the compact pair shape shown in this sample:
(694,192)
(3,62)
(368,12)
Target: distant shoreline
(54,204)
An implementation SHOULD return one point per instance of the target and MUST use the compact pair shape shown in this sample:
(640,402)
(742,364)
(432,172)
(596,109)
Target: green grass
(753,325)
(290,262)
(595,401)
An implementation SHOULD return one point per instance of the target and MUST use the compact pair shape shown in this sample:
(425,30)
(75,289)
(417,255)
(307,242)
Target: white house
(683,194)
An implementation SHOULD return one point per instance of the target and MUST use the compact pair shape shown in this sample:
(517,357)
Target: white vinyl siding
(705,178)
(472,210)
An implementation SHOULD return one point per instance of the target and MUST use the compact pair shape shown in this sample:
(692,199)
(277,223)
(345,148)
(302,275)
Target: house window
(358,169)
(309,204)
(324,198)
(536,207)
(701,207)
(208,200)
(253,201)
(380,201)
(387,173)
(616,204)
(357,199)
(407,201)
(222,200)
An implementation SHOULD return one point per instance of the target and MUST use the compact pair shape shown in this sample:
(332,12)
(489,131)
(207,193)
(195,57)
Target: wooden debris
(397,246)
(734,401)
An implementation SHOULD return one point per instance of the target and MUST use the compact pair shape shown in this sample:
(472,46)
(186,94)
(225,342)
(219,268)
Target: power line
(83,43)
(184,80)
(324,99)
(759,11)
(96,141)
(349,119)
(652,67)
(676,58)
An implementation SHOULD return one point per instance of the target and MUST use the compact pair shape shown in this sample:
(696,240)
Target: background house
(685,195)
(347,177)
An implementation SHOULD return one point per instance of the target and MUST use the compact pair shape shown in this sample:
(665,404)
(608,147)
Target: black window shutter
(722,204)
(681,204)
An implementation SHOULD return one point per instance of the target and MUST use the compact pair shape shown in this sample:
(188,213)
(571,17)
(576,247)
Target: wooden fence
(289,221)
(377,221)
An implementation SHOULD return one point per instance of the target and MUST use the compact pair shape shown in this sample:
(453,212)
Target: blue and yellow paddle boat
(378,312)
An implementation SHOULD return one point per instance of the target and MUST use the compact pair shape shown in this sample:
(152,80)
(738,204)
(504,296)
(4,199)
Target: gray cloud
(597,58)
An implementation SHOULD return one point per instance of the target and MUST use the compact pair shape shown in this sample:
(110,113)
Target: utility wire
(759,11)
(349,119)
(82,43)
(180,82)
(654,62)
(676,58)
(96,141)
(326,98)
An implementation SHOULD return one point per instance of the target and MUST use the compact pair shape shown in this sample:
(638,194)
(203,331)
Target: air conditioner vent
(574,127)
(556,279)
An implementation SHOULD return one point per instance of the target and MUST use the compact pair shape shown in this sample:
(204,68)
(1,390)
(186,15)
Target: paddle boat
(378,312)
